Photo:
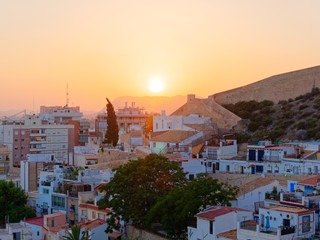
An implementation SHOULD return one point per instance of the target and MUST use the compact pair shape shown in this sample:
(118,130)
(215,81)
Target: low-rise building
(14,231)
(279,223)
(194,166)
(216,220)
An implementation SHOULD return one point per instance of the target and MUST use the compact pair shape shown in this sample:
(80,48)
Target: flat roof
(288,209)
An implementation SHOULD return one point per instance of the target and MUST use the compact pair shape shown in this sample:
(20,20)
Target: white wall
(247,200)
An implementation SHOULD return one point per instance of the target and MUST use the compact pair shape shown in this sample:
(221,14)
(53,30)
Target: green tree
(13,201)
(112,134)
(176,210)
(137,186)
(75,234)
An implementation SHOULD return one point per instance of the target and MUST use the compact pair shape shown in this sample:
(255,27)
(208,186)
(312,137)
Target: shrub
(303,106)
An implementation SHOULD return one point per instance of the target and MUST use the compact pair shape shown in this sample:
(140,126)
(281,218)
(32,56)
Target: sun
(156,84)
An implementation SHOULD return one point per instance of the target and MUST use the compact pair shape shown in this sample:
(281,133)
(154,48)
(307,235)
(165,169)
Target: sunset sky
(112,48)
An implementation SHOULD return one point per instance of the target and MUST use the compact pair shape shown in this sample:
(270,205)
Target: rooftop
(34,221)
(232,234)
(173,136)
(311,181)
(213,212)
(93,224)
(288,209)
(90,206)
(55,215)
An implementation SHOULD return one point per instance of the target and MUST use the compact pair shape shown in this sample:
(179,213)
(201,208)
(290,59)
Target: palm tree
(75,234)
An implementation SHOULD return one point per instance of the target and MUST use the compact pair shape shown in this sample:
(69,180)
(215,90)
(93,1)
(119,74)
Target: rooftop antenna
(67,96)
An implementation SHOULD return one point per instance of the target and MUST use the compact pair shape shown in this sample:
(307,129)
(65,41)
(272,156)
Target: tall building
(33,135)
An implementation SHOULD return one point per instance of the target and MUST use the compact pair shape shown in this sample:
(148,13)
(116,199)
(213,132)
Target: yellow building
(4,159)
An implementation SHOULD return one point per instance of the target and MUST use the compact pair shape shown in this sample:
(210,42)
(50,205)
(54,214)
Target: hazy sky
(111,48)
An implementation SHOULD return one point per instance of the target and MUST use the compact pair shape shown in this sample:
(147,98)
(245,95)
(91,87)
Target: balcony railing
(288,230)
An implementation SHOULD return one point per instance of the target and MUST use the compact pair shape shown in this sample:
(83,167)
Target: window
(16,140)
(100,216)
(211,227)
(38,233)
(45,191)
(58,201)
(154,144)
(52,223)
(16,132)
(23,132)
(22,140)
(228,168)
(16,155)
(93,214)
(209,164)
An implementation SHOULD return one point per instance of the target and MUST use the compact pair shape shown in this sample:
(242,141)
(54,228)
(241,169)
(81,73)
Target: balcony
(288,230)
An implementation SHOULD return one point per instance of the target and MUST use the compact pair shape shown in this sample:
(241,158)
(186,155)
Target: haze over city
(116,48)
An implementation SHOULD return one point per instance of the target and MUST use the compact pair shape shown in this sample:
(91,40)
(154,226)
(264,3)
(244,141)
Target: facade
(88,207)
(36,225)
(216,220)
(252,195)
(166,123)
(60,114)
(95,229)
(14,231)
(194,166)
(175,142)
(279,223)
(131,117)
(83,156)
(52,224)
(5,157)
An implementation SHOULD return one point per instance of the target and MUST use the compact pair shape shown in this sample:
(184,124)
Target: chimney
(191,97)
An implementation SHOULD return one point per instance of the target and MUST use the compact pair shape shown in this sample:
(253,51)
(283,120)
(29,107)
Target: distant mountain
(152,103)
(279,87)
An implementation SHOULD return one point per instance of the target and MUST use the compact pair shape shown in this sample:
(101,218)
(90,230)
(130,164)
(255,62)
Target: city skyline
(114,48)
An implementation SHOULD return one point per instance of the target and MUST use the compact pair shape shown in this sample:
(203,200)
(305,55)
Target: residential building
(166,123)
(30,169)
(15,231)
(5,157)
(216,220)
(131,117)
(175,141)
(36,225)
(60,114)
(52,224)
(251,195)
(95,229)
(83,156)
(279,223)
(88,207)
(194,166)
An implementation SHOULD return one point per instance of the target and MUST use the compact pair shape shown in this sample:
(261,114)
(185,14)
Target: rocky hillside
(295,119)
(275,88)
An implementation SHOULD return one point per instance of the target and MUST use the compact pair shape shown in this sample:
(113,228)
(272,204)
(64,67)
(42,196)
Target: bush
(303,106)
(266,120)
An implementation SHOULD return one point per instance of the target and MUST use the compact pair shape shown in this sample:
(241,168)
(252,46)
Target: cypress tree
(112,134)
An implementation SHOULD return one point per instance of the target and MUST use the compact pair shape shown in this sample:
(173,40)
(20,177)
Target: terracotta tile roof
(311,181)
(90,206)
(100,185)
(214,212)
(196,150)
(55,215)
(34,221)
(93,224)
(200,127)
(289,209)
(232,234)
(173,136)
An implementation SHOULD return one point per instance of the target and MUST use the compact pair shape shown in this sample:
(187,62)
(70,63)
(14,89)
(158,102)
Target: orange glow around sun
(156,84)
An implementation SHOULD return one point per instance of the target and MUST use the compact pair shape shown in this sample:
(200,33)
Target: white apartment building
(165,123)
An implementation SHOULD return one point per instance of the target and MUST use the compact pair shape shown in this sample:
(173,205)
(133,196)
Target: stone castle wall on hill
(275,88)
